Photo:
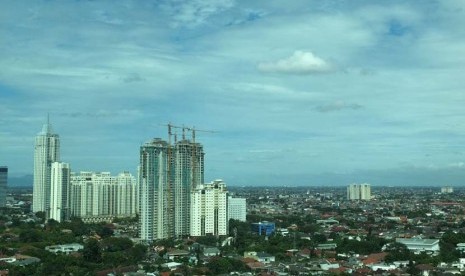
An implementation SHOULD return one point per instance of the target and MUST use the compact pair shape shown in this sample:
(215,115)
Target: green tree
(30,235)
(220,265)
(137,252)
(397,252)
(92,251)
(113,244)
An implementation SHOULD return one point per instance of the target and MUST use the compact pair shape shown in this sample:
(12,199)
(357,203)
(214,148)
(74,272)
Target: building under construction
(169,171)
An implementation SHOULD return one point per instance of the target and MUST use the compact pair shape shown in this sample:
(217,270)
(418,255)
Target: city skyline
(307,93)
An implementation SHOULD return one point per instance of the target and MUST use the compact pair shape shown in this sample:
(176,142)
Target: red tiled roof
(374,258)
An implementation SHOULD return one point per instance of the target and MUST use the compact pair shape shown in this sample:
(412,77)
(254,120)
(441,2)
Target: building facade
(156,208)
(209,210)
(188,174)
(263,228)
(359,191)
(59,191)
(99,194)
(237,208)
(3,185)
(46,151)
(168,174)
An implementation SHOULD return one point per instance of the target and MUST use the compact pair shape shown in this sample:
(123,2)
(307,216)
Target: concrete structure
(3,185)
(168,175)
(420,245)
(46,151)
(264,228)
(209,210)
(59,192)
(155,193)
(359,191)
(237,208)
(64,248)
(96,195)
(188,174)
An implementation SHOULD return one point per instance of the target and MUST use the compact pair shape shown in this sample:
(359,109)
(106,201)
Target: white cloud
(299,63)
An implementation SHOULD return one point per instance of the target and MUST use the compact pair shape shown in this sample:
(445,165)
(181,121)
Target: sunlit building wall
(237,208)
(99,194)
(59,191)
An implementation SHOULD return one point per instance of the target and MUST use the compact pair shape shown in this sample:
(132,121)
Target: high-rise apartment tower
(188,174)
(3,185)
(155,191)
(46,151)
(209,213)
(99,195)
(59,191)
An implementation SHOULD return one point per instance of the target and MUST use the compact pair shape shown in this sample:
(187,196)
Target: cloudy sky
(298,92)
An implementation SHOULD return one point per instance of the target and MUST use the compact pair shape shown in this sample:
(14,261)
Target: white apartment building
(359,191)
(237,208)
(209,209)
(46,151)
(59,191)
(99,194)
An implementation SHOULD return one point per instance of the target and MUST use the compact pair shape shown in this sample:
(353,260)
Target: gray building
(3,185)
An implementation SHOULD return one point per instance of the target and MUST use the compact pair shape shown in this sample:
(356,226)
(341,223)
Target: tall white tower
(46,151)
(59,191)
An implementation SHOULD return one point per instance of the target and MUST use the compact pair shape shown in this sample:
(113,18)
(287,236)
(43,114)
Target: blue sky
(300,93)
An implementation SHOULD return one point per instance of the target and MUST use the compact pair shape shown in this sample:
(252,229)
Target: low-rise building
(419,245)
(64,248)
(261,257)
(264,228)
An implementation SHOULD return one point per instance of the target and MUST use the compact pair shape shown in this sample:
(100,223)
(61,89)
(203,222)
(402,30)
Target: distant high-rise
(100,196)
(359,191)
(59,191)
(188,174)
(209,209)
(447,190)
(156,208)
(237,208)
(3,185)
(46,151)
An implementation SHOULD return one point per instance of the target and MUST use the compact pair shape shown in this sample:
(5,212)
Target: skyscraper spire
(47,128)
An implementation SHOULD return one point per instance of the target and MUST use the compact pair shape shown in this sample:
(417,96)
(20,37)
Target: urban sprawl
(168,220)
